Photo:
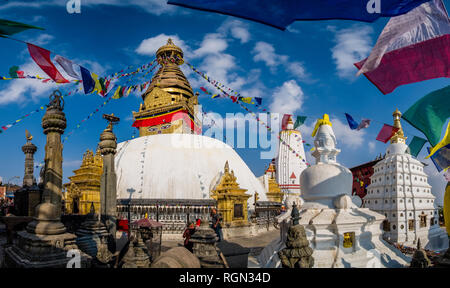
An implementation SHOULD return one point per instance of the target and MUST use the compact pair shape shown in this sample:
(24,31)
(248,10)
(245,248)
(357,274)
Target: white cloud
(265,52)
(149,46)
(42,39)
(212,43)
(236,28)
(21,90)
(352,45)
(287,99)
(372,146)
(436,180)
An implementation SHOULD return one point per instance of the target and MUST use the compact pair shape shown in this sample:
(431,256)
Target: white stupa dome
(178,166)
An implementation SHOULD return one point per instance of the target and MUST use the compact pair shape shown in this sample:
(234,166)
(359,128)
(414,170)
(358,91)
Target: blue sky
(306,70)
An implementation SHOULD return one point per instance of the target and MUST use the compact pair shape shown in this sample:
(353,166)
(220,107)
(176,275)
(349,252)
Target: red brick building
(361,177)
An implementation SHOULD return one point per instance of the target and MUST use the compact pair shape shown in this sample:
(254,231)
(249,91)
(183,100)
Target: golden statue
(28,135)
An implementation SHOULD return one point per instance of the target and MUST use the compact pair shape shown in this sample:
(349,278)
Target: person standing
(190,230)
(216,224)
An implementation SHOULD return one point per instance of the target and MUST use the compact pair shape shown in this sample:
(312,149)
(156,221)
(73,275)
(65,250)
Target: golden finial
(324,121)
(28,135)
(227,167)
(399,136)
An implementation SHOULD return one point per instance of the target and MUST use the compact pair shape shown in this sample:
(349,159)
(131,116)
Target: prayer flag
(300,120)
(97,85)
(441,158)
(412,47)
(117,93)
(8,27)
(42,58)
(284,121)
(352,123)
(282,13)
(13,71)
(88,82)
(247,100)
(416,145)
(386,133)
(364,124)
(444,142)
(67,66)
(430,113)
(258,100)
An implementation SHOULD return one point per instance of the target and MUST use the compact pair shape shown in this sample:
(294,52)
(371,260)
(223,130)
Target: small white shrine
(340,233)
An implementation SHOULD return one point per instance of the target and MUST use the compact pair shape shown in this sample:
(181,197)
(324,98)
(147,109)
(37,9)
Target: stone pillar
(108,195)
(45,243)
(48,213)
(29,149)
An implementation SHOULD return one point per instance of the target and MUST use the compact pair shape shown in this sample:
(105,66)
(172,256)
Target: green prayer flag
(430,113)
(13,71)
(416,145)
(300,120)
(10,27)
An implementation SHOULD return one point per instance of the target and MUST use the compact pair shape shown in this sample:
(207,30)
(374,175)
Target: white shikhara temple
(289,166)
(400,191)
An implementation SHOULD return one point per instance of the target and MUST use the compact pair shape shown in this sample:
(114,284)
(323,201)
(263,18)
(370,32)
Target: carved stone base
(204,240)
(89,237)
(41,251)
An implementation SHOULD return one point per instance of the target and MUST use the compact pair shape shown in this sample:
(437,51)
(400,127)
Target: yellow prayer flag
(444,142)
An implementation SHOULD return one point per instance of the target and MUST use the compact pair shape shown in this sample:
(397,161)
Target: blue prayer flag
(352,123)
(258,100)
(441,158)
(88,82)
(282,13)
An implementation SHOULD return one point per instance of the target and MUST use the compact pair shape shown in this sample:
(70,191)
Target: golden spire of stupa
(399,136)
(169,93)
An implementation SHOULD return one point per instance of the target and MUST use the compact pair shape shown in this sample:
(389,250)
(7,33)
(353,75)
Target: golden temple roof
(169,76)
(399,136)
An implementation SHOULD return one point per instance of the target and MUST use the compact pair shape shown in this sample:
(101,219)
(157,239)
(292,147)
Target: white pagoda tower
(289,165)
(400,191)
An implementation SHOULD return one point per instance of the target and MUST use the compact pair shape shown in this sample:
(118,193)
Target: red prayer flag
(386,133)
(284,121)
(42,58)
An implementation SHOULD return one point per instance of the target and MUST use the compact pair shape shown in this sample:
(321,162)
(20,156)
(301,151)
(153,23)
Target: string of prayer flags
(386,133)
(7,126)
(86,118)
(430,113)
(67,66)
(299,121)
(441,158)
(416,145)
(9,28)
(365,123)
(15,73)
(444,142)
(234,99)
(41,57)
(351,123)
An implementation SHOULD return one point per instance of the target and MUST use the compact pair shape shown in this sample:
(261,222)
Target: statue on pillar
(108,195)
(45,243)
